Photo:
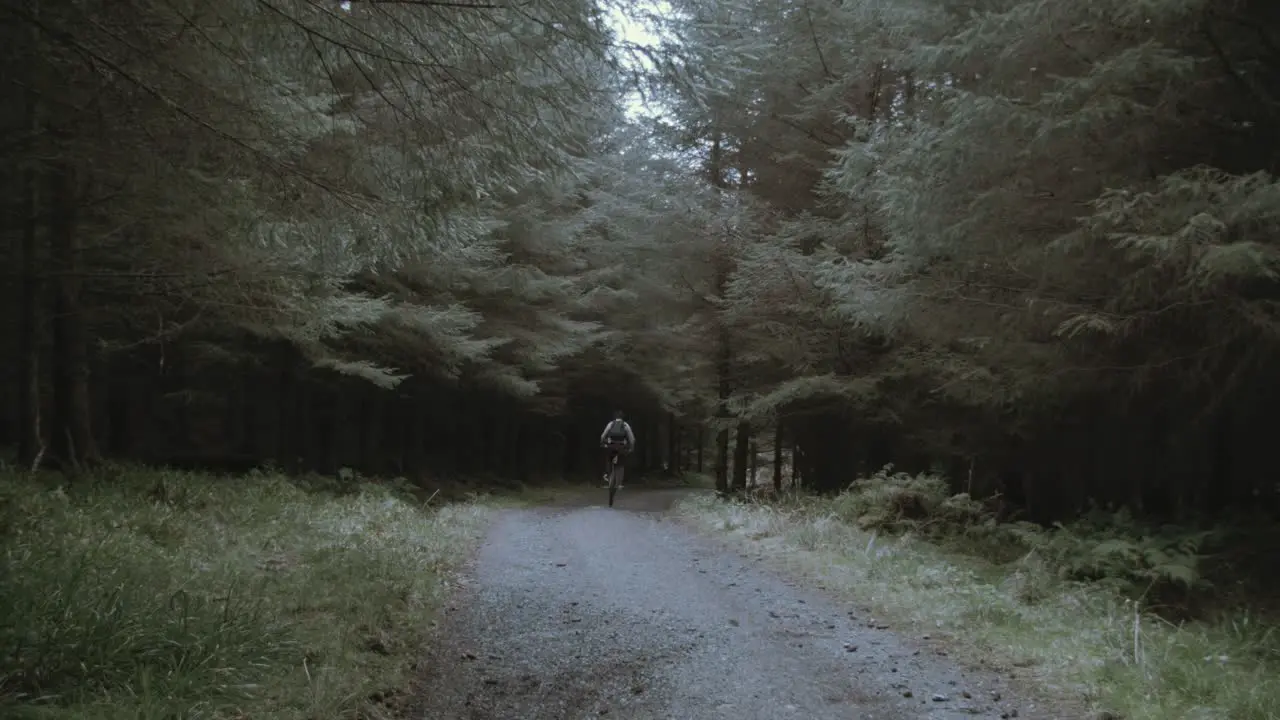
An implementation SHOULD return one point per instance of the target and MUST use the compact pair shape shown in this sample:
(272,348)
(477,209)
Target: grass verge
(1086,640)
(159,594)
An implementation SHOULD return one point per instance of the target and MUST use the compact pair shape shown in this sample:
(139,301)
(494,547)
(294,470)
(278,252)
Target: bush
(1111,548)
(900,502)
(1116,550)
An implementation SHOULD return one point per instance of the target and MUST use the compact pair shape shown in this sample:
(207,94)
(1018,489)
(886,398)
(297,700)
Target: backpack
(617,431)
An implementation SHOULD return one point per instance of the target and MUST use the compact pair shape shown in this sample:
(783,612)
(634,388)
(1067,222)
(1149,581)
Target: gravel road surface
(589,612)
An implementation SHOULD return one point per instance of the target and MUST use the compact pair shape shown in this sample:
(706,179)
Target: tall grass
(1083,640)
(157,594)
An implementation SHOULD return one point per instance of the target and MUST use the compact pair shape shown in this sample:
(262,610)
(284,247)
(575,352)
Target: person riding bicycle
(618,439)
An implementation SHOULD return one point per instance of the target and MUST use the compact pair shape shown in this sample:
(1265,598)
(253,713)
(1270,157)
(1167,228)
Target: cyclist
(618,439)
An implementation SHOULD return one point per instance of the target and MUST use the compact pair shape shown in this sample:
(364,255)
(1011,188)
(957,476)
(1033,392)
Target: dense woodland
(1028,243)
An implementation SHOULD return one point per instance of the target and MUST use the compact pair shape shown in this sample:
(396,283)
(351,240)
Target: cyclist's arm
(631,437)
(604,432)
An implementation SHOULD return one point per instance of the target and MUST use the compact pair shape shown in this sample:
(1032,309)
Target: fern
(1114,549)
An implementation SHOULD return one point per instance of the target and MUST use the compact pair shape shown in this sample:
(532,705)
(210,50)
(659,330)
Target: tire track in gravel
(570,613)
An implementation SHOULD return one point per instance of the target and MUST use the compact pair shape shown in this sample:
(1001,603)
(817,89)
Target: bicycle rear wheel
(615,478)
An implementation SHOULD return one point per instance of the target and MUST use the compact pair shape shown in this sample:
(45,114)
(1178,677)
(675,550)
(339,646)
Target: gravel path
(588,612)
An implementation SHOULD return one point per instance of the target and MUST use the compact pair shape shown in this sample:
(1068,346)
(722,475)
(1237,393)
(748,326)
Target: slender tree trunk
(394,435)
(653,448)
(540,447)
(487,438)
(521,435)
(740,456)
(500,436)
(73,440)
(261,433)
(30,445)
(286,415)
(120,402)
(306,424)
(702,445)
(724,366)
(457,432)
(673,445)
(724,353)
(331,437)
(722,460)
(30,441)
(683,458)
(777,456)
(238,434)
(414,438)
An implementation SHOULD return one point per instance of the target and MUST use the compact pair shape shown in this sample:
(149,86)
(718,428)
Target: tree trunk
(547,442)
(260,419)
(673,446)
(702,445)
(724,353)
(393,434)
(30,441)
(306,424)
(30,444)
(520,434)
(419,440)
(456,432)
(328,428)
(73,441)
(722,460)
(653,448)
(286,416)
(486,436)
(239,435)
(569,451)
(724,360)
(777,456)
(120,402)
(740,452)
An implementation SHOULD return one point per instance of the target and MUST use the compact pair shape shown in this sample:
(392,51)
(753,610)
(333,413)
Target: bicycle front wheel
(615,478)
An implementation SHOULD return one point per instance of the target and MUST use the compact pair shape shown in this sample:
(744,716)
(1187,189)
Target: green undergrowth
(1098,610)
(147,594)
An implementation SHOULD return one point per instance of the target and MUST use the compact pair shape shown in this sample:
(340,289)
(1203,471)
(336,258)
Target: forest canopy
(1028,243)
